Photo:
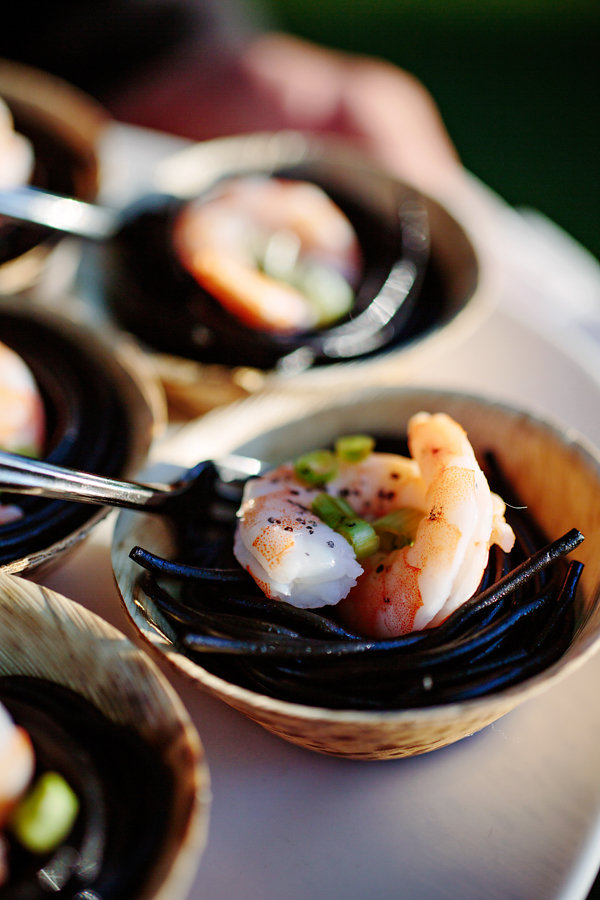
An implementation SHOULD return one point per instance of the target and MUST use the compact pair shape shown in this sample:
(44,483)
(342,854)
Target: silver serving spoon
(23,475)
(60,213)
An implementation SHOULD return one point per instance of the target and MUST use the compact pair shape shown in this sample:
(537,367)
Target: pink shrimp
(290,552)
(22,416)
(420,585)
(16,152)
(294,556)
(16,763)
(279,255)
(22,425)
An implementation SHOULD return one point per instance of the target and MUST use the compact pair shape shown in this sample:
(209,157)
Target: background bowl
(103,409)
(555,474)
(197,377)
(47,636)
(64,126)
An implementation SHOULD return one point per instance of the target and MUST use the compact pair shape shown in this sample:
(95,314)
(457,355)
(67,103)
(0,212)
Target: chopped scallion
(398,528)
(331,510)
(46,814)
(354,447)
(360,534)
(339,515)
(317,467)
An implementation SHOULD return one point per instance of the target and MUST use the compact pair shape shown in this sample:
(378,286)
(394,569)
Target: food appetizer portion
(307,674)
(103,786)
(37,812)
(371,578)
(278,254)
(273,268)
(67,399)
(81,798)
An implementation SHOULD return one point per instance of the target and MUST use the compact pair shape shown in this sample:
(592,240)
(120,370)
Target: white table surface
(512,812)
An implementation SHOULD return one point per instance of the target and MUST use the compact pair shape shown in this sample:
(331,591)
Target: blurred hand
(282,82)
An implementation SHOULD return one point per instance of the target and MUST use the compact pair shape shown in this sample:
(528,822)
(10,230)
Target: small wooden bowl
(65,126)
(44,635)
(104,407)
(555,474)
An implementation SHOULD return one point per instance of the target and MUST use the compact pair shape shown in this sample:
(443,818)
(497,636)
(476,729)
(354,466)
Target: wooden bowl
(44,635)
(557,476)
(103,407)
(65,126)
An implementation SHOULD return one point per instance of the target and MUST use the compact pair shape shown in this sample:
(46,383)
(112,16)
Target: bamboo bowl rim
(394,733)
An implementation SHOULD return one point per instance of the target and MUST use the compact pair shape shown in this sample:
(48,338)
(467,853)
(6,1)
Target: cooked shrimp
(22,417)
(294,556)
(16,152)
(420,585)
(279,255)
(22,425)
(290,552)
(16,763)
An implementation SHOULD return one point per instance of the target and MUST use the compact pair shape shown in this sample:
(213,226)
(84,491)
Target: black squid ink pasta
(519,622)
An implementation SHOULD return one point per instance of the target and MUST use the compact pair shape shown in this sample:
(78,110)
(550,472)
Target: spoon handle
(22,475)
(60,213)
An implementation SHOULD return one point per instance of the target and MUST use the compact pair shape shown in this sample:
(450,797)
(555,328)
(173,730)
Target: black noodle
(519,622)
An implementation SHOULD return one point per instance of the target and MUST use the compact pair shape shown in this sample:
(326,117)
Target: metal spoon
(23,475)
(61,213)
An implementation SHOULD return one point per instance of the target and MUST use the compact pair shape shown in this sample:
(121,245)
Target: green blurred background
(516,82)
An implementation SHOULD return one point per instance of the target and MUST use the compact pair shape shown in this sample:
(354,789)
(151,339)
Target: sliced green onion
(354,447)
(278,256)
(46,814)
(326,290)
(398,528)
(361,535)
(339,515)
(316,467)
(331,510)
